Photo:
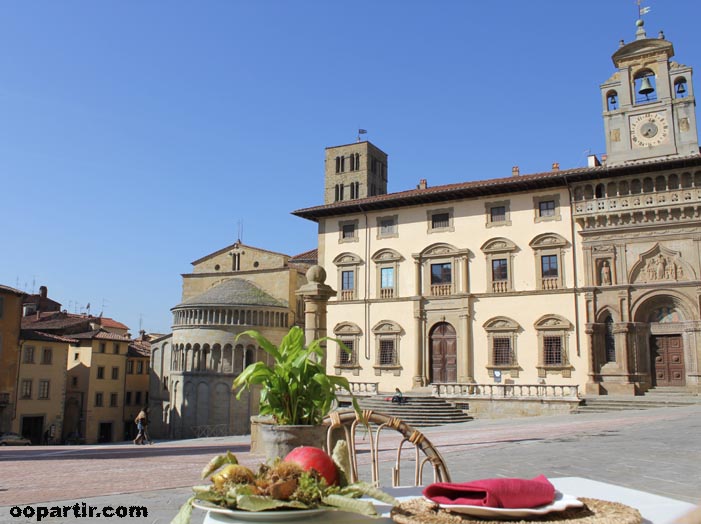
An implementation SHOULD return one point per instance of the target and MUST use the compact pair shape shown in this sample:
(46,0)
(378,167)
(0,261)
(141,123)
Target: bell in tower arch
(646,87)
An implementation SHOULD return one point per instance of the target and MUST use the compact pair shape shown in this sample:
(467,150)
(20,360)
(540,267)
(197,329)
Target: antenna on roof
(141,321)
(102,308)
(34,282)
(240,231)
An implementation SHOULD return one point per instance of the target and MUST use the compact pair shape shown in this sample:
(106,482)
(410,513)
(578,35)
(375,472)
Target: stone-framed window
(442,270)
(350,335)
(387,268)
(553,346)
(388,336)
(387,226)
(43,390)
(46,356)
(26,388)
(502,334)
(98,400)
(546,208)
(497,213)
(440,220)
(347,264)
(28,355)
(347,231)
(101,372)
(499,254)
(548,250)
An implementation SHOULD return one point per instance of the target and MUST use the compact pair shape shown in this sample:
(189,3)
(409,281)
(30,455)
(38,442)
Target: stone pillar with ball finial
(316,295)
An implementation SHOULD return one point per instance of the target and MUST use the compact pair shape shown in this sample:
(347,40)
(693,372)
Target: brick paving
(657,451)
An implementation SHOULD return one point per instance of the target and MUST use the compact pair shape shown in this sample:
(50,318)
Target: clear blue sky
(135,135)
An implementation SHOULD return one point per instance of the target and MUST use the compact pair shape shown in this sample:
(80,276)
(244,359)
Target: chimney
(515,171)
(556,166)
(423,184)
(43,291)
(593,161)
(603,159)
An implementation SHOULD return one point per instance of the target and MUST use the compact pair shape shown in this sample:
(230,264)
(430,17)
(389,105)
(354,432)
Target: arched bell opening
(644,87)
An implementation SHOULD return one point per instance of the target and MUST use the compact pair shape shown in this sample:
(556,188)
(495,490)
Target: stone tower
(648,104)
(354,171)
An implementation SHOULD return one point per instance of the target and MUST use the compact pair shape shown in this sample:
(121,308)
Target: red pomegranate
(314,458)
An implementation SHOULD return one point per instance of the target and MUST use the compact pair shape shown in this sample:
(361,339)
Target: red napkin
(494,493)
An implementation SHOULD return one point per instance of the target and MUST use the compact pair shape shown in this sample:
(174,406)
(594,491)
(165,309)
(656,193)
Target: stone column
(592,386)
(419,348)
(316,295)
(465,373)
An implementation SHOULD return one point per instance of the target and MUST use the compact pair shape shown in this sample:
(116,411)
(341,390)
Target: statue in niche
(605,277)
(660,268)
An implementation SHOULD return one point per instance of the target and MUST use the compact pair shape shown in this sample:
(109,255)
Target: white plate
(260,516)
(561,503)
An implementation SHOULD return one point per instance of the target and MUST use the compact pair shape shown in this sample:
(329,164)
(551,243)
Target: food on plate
(310,458)
(307,478)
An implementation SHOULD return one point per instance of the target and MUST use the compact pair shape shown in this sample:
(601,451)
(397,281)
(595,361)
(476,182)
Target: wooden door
(668,360)
(444,354)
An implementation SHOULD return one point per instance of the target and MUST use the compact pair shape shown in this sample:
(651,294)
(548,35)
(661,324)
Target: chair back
(375,425)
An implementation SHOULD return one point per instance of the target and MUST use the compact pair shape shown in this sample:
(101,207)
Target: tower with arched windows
(354,171)
(648,103)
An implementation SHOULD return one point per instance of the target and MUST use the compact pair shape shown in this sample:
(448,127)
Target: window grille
(347,358)
(387,353)
(552,349)
(440,220)
(502,351)
(497,213)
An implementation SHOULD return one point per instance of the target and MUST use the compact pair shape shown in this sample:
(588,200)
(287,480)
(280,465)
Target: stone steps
(418,411)
(655,398)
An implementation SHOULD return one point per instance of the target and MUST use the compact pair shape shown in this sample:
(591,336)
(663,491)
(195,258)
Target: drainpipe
(366,301)
(573,233)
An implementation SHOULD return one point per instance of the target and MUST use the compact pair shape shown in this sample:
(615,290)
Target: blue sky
(136,135)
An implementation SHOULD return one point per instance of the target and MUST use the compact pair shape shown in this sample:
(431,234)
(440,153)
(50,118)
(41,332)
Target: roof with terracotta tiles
(479,188)
(9,289)
(111,323)
(308,257)
(139,348)
(234,292)
(100,334)
(32,334)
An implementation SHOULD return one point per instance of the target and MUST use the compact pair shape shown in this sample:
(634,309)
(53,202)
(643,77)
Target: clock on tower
(648,103)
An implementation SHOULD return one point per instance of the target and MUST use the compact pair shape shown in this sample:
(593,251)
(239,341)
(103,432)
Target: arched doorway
(444,355)
(666,316)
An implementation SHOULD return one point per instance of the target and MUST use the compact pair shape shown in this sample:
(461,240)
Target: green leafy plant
(295,388)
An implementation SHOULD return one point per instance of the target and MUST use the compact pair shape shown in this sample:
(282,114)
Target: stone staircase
(418,411)
(654,398)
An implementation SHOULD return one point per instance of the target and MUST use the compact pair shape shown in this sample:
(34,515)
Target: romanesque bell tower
(354,171)
(648,103)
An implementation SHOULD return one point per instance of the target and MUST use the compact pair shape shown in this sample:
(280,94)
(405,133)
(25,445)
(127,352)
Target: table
(654,508)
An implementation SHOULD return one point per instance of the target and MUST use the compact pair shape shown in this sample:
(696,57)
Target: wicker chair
(348,423)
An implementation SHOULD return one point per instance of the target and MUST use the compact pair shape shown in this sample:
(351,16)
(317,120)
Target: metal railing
(212,430)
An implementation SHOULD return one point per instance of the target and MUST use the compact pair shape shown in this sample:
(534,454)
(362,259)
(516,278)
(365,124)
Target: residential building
(10,321)
(234,289)
(587,277)
(42,386)
(137,381)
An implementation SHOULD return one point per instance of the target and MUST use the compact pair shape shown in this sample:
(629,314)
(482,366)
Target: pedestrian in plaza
(141,422)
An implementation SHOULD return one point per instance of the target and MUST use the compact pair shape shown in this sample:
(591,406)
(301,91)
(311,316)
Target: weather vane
(642,10)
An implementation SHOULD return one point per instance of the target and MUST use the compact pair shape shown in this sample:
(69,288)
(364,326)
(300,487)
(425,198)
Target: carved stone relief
(660,265)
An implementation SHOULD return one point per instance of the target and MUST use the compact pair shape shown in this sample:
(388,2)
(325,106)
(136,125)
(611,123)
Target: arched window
(611,101)
(609,341)
(644,87)
(349,334)
(680,88)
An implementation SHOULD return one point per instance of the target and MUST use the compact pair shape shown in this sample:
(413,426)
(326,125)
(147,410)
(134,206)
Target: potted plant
(296,393)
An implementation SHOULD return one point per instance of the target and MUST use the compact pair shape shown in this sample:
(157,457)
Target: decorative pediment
(661,264)
(347,328)
(501,324)
(548,240)
(552,321)
(387,255)
(498,245)
(387,327)
(347,259)
(439,250)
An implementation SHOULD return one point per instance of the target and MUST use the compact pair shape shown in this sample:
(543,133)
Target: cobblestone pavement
(656,450)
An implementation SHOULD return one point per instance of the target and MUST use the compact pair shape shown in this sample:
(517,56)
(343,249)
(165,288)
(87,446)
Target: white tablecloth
(654,508)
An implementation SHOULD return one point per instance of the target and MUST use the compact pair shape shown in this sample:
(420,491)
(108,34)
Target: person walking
(141,422)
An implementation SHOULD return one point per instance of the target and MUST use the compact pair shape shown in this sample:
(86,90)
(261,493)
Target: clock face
(648,130)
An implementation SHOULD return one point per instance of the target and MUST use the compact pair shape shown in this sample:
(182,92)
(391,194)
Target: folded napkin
(495,493)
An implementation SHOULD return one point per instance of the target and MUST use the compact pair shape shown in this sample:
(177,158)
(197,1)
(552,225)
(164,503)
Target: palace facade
(588,277)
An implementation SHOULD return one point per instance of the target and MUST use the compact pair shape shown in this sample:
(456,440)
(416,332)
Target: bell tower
(648,103)
(354,171)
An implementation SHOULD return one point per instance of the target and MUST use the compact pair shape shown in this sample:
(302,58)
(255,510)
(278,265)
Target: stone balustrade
(505,391)
(362,389)
(638,201)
